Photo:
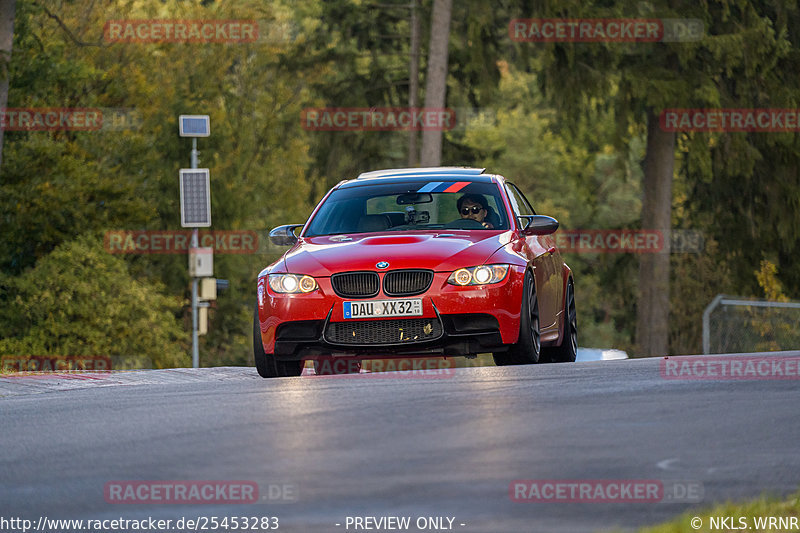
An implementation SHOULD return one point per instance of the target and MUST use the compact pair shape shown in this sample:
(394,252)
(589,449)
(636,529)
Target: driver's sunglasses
(475,210)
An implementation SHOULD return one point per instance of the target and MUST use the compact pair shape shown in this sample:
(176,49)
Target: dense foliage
(567,123)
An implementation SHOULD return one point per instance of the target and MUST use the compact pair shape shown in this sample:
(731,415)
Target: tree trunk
(652,311)
(436,82)
(7,10)
(413,81)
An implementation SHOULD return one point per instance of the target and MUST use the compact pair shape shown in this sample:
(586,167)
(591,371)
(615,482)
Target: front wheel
(528,346)
(266,364)
(568,351)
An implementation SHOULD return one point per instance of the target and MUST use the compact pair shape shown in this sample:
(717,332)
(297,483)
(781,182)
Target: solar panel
(194,125)
(195,198)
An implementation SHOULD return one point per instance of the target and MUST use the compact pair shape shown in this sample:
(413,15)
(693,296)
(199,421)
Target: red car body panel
(502,300)
(441,251)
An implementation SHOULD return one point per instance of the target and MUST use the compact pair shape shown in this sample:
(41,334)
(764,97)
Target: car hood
(438,251)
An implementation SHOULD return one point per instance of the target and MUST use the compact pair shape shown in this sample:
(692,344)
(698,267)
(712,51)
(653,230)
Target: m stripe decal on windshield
(457,186)
(442,186)
(428,187)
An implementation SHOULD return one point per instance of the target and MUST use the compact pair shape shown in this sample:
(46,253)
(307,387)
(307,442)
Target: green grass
(763,507)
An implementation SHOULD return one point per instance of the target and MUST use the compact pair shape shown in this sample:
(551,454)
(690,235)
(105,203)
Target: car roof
(400,175)
(425,171)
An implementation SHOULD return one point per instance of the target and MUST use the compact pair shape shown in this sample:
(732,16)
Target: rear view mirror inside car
(415,198)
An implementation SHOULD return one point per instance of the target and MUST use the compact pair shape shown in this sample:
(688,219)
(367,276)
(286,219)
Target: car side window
(519,203)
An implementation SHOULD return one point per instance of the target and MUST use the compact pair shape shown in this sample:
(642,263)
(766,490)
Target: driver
(474,206)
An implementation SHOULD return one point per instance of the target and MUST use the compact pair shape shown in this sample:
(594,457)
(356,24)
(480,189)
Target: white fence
(737,325)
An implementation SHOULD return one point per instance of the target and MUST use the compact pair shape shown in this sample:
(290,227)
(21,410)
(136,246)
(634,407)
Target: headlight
(291,283)
(480,275)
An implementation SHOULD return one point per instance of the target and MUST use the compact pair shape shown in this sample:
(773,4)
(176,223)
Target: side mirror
(284,235)
(538,225)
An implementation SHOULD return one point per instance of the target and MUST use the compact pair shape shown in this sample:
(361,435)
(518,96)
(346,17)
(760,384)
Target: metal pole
(195,346)
(759,303)
(707,322)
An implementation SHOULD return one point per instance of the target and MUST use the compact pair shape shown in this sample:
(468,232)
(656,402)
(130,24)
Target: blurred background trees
(567,122)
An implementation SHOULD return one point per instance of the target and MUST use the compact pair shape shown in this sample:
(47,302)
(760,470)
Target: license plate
(382,308)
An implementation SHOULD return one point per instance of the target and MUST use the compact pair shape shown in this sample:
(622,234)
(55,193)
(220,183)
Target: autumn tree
(644,78)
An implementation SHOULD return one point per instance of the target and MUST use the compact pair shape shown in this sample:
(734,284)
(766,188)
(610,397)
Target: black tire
(568,351)
(329,366)
(266,364)
(526,350)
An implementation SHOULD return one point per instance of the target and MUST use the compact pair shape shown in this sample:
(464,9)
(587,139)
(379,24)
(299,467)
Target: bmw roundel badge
(382,264)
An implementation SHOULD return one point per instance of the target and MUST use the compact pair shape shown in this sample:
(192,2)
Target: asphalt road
(320,449)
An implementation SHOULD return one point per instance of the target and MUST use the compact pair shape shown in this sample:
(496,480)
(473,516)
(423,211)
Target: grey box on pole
(195,198)
(201,262)
(202,321)
(208,289)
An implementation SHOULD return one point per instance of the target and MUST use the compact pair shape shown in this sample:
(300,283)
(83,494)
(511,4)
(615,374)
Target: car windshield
(410,207)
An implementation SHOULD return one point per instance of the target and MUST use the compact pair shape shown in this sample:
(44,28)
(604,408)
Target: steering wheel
(464,223)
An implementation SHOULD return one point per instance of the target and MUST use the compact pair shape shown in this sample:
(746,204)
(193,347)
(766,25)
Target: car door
(542,254)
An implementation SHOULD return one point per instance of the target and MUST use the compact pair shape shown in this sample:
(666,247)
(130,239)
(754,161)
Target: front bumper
(455,321)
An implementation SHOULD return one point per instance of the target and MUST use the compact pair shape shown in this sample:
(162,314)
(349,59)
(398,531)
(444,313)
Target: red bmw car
(441,261)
